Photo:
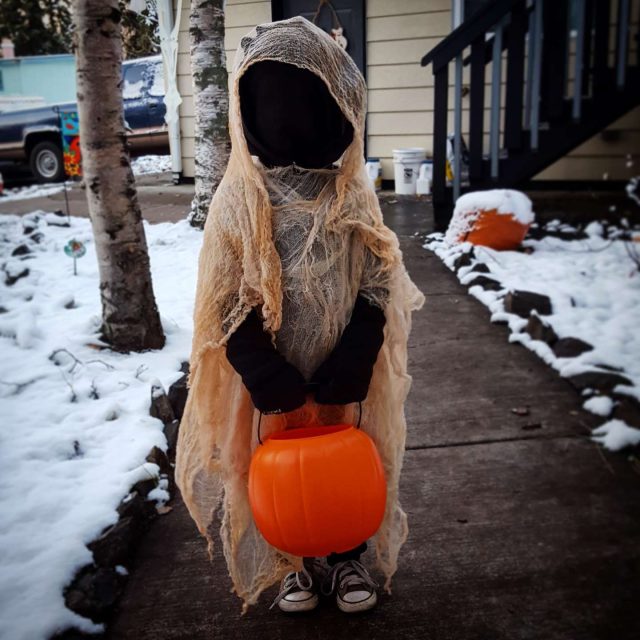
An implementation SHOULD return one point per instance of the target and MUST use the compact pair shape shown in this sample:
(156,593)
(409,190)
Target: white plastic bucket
(406,164)
(423,186)
(374,172)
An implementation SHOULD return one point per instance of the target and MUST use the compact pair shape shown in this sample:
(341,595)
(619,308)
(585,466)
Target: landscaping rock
(571,347)
(63,222)
(145,487)
(21,250)
(601,380)
(159,457)
(627,409)
(11,279)
(522,303)
(486,283)
(480,267)
(160,405)
(464,260)
(117,544)
(136,507)
(610,367)
(94,591)
(540,330)
(178,392)
(171,434)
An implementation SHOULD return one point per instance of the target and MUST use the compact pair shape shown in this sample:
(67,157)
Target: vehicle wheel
(46,162)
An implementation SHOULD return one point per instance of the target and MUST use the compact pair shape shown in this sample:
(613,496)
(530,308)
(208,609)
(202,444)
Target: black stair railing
(560,71)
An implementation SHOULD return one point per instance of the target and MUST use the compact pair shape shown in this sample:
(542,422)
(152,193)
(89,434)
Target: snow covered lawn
(141,166)
(75,418)
(594,289)
(150,164)
(33,191)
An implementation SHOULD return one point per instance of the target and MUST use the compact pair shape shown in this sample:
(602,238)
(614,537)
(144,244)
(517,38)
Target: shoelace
(346,574)
(291,581)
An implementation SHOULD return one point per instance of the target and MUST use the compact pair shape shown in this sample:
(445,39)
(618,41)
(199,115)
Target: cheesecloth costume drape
(300,245)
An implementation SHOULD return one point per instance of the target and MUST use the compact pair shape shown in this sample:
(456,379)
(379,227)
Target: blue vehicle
(33,135)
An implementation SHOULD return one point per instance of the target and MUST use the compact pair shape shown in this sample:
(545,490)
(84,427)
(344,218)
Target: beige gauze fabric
(299,245)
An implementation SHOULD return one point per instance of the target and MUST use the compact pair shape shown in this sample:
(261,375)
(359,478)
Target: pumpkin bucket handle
(310,387)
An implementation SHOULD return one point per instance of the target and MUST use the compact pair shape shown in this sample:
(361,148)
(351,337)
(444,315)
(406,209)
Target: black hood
(289,116)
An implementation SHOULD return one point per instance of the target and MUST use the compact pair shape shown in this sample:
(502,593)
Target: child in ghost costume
(299,281)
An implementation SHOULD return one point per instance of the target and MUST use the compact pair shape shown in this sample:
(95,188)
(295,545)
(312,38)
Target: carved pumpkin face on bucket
(317,490)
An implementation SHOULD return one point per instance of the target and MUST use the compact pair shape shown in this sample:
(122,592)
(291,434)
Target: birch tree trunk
(130,319)
(211,99)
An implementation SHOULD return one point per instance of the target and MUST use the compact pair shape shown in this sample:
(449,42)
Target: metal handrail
(460,38)
(543,113)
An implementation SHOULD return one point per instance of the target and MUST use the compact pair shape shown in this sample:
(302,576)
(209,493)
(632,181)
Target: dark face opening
(290,117)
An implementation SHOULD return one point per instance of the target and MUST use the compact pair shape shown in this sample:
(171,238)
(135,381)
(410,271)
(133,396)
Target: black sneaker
(355,588)
(297,593)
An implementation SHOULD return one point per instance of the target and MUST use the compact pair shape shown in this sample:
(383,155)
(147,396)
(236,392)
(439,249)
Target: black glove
(275,385)
(345,376)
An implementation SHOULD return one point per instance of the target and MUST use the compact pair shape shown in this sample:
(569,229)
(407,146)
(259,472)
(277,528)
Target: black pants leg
(334,558)
(353,554)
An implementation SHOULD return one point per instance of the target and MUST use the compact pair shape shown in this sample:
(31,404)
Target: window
(156,88)
(133,82)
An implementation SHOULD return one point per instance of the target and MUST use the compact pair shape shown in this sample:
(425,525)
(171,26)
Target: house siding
(400,96)
(240,17)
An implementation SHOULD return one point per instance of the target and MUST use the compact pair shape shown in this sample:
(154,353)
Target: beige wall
(400,113)
(241,16)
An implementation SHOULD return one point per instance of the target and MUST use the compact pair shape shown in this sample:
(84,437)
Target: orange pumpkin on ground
(317,490)
(498,218)
(497,230)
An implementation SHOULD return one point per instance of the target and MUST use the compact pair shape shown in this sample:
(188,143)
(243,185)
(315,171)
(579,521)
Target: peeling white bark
(129,314)
(211,99)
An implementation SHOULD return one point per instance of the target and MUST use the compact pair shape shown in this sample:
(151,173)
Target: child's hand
(279,393)
(341,390)
(345,376)
(275,385)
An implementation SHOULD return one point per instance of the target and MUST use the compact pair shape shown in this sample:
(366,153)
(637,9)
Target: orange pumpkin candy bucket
(317,490)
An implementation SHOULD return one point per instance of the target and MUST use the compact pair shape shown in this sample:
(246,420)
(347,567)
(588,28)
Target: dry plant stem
(76,361)
(130,317)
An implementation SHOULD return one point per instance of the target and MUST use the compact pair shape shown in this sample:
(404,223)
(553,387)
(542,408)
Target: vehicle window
(133,82)
(157,79)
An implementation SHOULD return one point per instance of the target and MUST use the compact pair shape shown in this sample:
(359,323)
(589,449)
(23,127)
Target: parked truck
(32,135)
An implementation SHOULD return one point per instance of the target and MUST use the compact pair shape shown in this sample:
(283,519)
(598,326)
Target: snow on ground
(616,435)
(141,165)
(150,164)
(595,291)
(599,405)
(33,191)
(75,419)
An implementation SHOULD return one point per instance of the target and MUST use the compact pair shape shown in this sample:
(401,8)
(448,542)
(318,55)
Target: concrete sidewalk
(520,526)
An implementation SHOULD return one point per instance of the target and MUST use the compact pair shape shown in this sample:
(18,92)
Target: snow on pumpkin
(498,219)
